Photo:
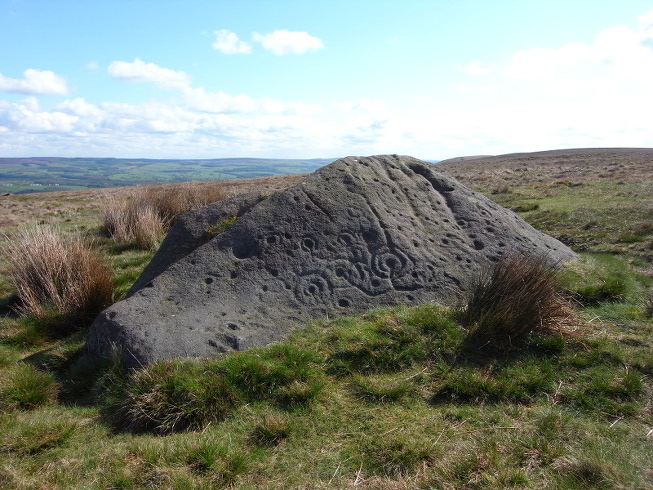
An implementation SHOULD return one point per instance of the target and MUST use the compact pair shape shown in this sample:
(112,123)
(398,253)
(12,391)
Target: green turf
(385,400)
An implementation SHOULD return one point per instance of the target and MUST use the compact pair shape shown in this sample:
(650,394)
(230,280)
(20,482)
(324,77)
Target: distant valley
(27,175)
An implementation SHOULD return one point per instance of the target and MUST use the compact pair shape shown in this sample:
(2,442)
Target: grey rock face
(359,233)
(192,230)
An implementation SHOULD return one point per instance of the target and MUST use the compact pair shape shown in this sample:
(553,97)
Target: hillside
(395,398)
(583,164)
(595,200)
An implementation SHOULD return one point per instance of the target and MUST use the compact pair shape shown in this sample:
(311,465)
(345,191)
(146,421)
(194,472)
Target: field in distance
(27,175)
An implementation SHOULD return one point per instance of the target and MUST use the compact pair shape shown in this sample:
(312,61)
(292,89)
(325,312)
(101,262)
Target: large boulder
(361,232)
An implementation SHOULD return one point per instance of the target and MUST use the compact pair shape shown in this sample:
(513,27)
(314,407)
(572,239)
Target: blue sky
(300,79)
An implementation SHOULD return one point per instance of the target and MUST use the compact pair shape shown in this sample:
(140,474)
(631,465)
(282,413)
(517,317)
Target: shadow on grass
(8,306)
(33,332)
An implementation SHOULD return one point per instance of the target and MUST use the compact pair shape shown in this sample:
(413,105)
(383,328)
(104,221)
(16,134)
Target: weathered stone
(192,230)
(359,233)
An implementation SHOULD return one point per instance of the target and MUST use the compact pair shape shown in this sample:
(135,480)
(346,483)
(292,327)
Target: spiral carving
(389,264)
(313,289)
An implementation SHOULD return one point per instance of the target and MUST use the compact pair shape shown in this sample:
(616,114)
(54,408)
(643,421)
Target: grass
(389,399)
(220,227)
(440,419)
(648,305)
(271,431)
(524,424)
(51,272)
(134,222)
(507,303)
(187,395)
(144,217)
(599,279)
(23,387)
(583,218)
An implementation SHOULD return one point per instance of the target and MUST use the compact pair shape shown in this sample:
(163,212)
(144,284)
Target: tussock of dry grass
(51,271)
(506,304)
(146,215)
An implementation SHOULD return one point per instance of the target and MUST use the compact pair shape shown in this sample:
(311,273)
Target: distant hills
(25,175)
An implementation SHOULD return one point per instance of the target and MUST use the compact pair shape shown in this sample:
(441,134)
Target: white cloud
(30,103)
(199,124)
(368,105)
(227,42)
(92,65)
(282,42)
(139,71)
(476,68)
(617,56)
(221,103)
(26,117)
(544,63)
(198,99)
(48,122)
(594,93)
(645,24)
(79,107)
(38,82)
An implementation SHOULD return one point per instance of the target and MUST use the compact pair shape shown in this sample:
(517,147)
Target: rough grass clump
(213,457)
(133,222)
(598,279)
(574,472)
(394,456)
(24,387)
(56,273)
(169,397)
(144,217)
(381,389)
(515,382)
(174,396)
(506,304)
(34,437)
(389,341)
(220,227)
(608,390)
(381,345)
(270,431)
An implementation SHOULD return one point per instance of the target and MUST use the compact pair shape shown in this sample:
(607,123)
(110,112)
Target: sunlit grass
(384,400)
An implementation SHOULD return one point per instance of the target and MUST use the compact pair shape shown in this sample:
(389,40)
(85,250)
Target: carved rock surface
(361,232)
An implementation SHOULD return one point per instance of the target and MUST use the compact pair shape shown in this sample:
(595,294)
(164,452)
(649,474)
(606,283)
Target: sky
(315,79)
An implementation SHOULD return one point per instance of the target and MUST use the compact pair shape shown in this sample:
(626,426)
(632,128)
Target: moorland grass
(133,222)
(186,395)
(56,273)
(647,305)
(143,218)
(426,418)
(384,400)
(506,303)
(23,387)
(599,278)
(174,396)
(600,216)
(271,431)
